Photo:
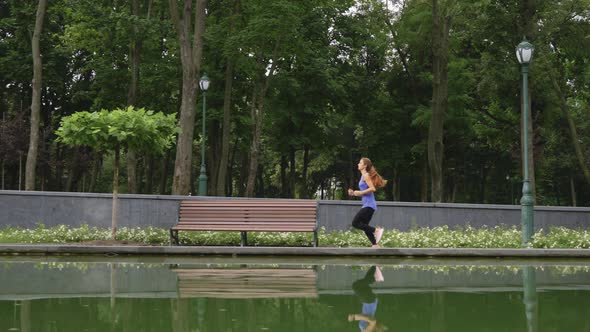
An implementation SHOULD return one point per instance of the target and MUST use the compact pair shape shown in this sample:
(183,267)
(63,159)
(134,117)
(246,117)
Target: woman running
(370,181)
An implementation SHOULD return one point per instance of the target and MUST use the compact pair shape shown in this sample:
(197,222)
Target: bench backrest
(293,215)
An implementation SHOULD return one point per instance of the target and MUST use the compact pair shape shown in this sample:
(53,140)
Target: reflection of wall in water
(160,280)
(419,278)
(85,279)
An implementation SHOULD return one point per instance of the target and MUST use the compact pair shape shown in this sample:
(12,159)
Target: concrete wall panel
(26,209)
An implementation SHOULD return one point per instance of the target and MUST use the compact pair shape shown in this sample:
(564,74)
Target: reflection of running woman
(362,289)
(370,181)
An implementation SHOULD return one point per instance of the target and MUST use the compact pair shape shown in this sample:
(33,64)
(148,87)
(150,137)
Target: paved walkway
(61,249)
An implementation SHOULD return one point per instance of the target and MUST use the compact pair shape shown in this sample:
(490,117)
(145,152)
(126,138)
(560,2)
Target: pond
(277,294)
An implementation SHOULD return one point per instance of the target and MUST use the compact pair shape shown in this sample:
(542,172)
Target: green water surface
(244,296)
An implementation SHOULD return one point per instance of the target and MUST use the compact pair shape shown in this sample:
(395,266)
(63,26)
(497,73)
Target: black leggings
(361,221)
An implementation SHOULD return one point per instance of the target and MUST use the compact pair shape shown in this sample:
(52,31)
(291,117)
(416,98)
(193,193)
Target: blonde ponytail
(376,178)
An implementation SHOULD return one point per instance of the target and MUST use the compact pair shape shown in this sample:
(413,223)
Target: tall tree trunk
(397,189)
(74,170)
(573,191)
(304,187)
(190,55)
(441,21)
(292,168)
(164,167)
(115,193)
(244,168)
(20,170)
(573,131)
(229,189)
(36,98)
(95,172)
(131,171)
(213,155)
(483,174)
(134,58)
(260,181)
(396,185)
(265,75)
(3,171)
(149,176)
(283,175)
(132,95)
(351,172)
(141,173)
(424,183)
(227,104)
(256,116)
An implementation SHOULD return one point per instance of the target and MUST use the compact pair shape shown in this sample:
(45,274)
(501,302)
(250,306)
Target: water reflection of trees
(452,311)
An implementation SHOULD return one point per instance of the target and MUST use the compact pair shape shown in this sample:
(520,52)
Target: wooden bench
(244,215)
(232,283)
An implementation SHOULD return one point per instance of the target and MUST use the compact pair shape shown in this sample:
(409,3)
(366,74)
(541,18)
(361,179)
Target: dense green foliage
(139,129)
(437,237)
(328,80)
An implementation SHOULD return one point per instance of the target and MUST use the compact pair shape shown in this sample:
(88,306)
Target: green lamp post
(524,53)
(204,85)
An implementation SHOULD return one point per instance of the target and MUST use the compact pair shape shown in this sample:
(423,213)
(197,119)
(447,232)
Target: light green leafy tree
(131,128)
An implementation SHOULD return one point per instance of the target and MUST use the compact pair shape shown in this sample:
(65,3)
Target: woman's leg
(361,221)
(362,287)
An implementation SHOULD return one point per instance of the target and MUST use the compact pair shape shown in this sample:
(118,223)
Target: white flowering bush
(148,235)
(561,237)
(57,234)
(436,237)
(444,237)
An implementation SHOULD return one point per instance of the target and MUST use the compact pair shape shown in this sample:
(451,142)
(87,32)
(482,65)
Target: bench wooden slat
(246,220)
(273,227)
(243,229)
(310,213)
(249,205)
(205,217)
(258,211)
(244,225)
(275,215)
(246,215)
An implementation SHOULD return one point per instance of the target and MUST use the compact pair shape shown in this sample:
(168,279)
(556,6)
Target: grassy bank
(438,237)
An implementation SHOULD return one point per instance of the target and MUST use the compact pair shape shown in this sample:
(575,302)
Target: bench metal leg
(244,239)
(315,238)
(174,237)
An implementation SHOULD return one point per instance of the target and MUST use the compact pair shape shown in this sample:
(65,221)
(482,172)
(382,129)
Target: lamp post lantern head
(204,82)
(524,52)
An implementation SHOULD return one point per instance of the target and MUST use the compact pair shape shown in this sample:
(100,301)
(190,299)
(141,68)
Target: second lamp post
(524,53)
(204,85)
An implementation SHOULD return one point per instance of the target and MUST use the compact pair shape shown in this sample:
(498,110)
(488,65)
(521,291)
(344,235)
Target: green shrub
(437,237)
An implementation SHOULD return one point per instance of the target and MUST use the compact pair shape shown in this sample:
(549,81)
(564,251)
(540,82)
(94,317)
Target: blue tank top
(368,199)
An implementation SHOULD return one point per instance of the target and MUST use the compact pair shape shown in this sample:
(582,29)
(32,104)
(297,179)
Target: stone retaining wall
(28,208)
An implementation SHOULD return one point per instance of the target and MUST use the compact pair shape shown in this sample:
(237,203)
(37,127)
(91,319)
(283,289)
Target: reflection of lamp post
(204,85)
(529,286)
(524,53)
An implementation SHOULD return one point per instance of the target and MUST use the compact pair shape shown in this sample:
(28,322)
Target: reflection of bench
(280,215)
(246,283)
